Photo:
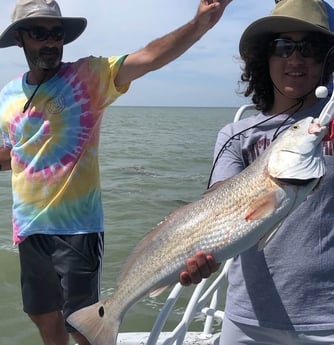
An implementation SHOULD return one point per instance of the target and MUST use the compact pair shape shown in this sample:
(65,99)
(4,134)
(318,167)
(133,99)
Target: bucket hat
(26,11)
(288,16)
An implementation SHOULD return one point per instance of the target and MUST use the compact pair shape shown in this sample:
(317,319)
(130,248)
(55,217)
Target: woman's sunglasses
(39,33)
(284,48)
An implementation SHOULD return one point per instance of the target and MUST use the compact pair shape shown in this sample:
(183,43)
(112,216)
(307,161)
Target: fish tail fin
(95,325)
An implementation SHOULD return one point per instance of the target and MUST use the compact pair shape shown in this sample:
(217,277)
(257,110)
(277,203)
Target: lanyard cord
(34,93)
(39,84)
(228,142)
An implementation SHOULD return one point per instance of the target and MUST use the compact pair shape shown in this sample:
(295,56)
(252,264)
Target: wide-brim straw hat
(288,16)
(26,11)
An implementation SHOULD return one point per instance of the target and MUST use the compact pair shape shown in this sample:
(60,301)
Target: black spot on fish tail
(101,312)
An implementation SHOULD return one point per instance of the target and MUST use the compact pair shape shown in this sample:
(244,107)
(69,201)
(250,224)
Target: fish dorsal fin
(158,291)
(263,206)
(268,237)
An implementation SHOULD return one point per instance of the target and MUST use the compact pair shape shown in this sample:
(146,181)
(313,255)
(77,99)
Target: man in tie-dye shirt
(50,121)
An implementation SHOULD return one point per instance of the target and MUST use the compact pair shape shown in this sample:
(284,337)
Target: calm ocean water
(153,159)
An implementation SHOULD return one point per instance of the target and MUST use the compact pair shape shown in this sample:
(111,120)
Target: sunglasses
(284,48)
(39,33)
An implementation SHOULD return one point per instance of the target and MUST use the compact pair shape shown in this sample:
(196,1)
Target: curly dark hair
(255,69)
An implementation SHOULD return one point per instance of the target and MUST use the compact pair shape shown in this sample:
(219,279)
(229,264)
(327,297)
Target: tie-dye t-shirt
(54,147)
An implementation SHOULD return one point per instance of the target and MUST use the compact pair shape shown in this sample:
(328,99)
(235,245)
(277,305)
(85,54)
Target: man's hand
(209,12)
(200,266)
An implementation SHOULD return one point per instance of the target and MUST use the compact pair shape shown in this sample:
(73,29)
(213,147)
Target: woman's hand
(200,266)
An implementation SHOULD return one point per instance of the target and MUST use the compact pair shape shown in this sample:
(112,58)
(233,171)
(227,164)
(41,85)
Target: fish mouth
(316,128)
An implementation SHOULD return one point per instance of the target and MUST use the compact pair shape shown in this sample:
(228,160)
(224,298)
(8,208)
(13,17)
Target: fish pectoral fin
(262,207)
(267,237)
(158,291)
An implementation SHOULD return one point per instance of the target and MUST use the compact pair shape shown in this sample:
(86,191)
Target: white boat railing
(198,300)
(242,110)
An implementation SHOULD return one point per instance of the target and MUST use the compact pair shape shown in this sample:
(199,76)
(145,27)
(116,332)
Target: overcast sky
(206,75)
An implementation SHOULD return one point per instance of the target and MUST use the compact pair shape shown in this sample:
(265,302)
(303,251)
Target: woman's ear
(18,39)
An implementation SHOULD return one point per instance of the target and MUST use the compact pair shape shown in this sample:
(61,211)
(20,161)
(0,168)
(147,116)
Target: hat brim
(273,25)
(73,27)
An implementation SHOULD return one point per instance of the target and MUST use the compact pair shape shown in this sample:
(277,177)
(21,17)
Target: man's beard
(47,58)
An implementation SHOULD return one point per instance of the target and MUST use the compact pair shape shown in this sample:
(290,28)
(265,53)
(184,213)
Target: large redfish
(238,214)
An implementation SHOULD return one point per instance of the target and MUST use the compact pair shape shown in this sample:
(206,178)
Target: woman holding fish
(283,294)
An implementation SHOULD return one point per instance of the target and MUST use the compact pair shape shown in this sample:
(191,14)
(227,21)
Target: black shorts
(60,273)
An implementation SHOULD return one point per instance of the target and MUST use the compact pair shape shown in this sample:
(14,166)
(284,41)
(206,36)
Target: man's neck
(35,77)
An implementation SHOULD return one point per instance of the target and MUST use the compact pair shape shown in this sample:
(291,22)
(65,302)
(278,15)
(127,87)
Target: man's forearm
(167,48)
